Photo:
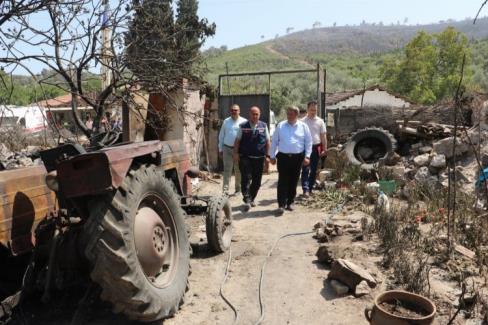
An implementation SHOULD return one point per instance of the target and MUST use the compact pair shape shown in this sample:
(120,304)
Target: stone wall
(212,128)
(193,131)
(178,116)
(347,120)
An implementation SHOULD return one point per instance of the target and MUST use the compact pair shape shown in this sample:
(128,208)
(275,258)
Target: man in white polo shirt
(227,137)
(319,147)
(291,146)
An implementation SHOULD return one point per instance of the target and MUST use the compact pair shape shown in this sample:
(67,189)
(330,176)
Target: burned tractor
(116,214)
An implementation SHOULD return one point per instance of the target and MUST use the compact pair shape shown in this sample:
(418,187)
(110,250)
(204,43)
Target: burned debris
(404,181)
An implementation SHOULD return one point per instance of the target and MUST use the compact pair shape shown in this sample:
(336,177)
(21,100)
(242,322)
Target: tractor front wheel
(219,224)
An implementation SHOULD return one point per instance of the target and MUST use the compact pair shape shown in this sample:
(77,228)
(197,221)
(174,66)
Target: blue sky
(243,22)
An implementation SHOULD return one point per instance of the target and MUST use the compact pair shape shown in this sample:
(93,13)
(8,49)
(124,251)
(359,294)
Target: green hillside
(352,56)
(249,59)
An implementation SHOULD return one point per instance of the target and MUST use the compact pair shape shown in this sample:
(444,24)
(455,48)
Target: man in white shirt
(291,146)
(227,137)
(319,147)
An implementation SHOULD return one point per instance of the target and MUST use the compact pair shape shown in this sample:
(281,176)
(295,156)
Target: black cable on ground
(336,210)
(221,292)
(261,280)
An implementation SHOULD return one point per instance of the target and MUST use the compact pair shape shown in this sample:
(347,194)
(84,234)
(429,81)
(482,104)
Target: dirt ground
(294,288)
(294,291)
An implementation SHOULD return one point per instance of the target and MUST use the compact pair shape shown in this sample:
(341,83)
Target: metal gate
(263,99)
(245,102)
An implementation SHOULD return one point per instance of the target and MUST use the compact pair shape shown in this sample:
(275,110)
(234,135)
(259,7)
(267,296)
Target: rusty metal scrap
(25,200)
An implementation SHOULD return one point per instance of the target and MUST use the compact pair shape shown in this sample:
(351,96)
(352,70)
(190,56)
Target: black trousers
(289,167)
(251,174)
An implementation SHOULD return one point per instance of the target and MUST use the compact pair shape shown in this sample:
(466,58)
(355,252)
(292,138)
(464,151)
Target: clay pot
(379,316)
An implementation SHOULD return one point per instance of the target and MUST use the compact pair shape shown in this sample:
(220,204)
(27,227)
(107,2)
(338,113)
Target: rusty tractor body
(114,217)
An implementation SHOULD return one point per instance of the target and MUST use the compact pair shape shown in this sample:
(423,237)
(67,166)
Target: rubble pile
(424,153)
(356,224)
(430,149)
(336,233)
(24,158)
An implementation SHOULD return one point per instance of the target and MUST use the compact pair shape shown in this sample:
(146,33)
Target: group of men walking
(295,146)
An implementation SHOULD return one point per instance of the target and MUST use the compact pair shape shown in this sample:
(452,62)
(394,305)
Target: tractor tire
(219,224)
(376,144)
(138,246)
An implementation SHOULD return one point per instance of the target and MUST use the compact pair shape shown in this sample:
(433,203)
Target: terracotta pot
(379,316)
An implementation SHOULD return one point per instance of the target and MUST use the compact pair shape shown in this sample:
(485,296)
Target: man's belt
(231,147)
(291,154)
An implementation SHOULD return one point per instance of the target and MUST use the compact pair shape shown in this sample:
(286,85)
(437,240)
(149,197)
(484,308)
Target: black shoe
(253,204)
(247,207)
(290,207)
(280,211)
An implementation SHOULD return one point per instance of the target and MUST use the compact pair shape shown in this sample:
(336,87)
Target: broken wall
(212,128)
(348,120)
(178,116)
(373,98)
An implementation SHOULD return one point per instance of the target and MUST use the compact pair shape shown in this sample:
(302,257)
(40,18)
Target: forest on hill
(354,57)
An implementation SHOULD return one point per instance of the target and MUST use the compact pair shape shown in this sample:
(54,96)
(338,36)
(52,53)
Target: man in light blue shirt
(227,137)
(291,146)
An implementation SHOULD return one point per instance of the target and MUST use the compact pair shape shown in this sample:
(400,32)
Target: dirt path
(270,49)
(294,291)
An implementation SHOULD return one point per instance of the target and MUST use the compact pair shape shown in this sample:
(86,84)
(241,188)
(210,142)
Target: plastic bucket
(388,187)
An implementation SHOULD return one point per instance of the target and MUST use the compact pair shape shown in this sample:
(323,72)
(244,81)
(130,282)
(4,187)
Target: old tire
(370,146)
(138,246)
(219,224)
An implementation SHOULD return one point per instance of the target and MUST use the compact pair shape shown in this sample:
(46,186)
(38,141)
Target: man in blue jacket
(251,149)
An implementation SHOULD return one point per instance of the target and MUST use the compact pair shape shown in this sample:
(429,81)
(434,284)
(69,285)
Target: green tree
(150,42)
(161,51)
(191,33)
(451,46)
(429,69)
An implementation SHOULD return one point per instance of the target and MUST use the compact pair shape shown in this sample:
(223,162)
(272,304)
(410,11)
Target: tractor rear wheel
(138,246)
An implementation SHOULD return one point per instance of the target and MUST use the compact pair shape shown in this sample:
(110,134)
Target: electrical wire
(336,210)
(221,291)
(263,268)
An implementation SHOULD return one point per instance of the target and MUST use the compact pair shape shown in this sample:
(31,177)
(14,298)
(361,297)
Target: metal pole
(269,94)
(319,97)
(325,94)
(105,71)
(228,82)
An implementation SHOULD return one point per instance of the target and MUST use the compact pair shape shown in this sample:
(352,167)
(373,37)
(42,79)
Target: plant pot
(378,315)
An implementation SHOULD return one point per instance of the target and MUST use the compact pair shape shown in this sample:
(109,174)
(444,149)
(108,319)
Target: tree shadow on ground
(321,266)
(271,213)
(202,250)
(65,305)
(268,203)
